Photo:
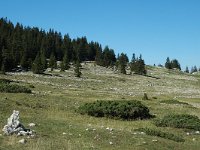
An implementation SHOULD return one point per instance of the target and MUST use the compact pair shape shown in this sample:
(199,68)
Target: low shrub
(126,110)
(31,86)
(4,81)
(173,102)
(158,133)
(13,88)
(179,121)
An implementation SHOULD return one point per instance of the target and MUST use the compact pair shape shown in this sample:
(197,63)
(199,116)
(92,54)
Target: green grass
(173,102)
(54,100)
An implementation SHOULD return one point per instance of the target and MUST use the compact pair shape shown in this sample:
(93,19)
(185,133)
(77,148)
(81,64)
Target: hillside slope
(53,102)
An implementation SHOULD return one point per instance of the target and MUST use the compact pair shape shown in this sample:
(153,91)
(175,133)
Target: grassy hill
(56,96)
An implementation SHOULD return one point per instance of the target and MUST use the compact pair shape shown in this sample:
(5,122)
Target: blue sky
(155,28)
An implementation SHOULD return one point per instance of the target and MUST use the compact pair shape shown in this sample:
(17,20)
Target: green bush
(179,121)
(158,133)
(4,81)
(13,88)
(173,102)
(126,110)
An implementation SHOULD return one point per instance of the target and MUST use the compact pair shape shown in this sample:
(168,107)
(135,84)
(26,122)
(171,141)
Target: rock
(142,133)
(14,126)
(64,133)
(187,133)
(111,143)
(22,141)
(197,132)
(31,124)
(193,139)
(154,140)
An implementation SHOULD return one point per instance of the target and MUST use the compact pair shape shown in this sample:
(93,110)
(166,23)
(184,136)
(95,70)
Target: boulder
(14,126)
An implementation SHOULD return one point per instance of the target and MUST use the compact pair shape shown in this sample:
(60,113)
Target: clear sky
(154,28)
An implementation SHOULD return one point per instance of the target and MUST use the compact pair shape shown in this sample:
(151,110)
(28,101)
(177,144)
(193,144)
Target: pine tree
(77,69)
(175,64)
(168,63)
(52,62)
(65,63)
(24,62)
(37,67)
(122,63)
(43,59)
(186,69)
(138,66)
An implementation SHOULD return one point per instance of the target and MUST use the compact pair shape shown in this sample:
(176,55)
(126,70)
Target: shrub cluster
(12,88)
(173,102)
(158,133)
(126,110)
(179,121)
(4,81)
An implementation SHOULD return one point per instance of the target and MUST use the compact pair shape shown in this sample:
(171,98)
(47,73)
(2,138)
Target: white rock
(31,124)
(188,133)
(142,133)
(22,141)
(134,133)
(111,143)
(64,133)
(87,129)
(94,129)
(193,139)
(154,140)
(14,126)
(197,132)
(107,128)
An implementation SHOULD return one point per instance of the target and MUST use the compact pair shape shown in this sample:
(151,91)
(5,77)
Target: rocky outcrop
(14,126)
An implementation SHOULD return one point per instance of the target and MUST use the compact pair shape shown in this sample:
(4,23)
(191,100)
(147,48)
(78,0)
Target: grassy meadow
(56,96)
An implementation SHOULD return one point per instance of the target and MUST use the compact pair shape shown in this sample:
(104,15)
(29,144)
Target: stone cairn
(15,127)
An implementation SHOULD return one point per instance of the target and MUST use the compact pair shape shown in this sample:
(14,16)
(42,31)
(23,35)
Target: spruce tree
(175,64)
(186,69)
(52,62)
(43,59)
(138,66)
(37,67)
(168,63)
(122,63)
(65,63)
(77,69)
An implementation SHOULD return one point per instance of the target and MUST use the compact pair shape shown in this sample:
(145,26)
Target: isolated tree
(187,70)
(175,64)
(52,62)
(123,60)
(138,66)
(77,69)
(193,69)
(37,65)
(65,63)
(168,63)
(43,59)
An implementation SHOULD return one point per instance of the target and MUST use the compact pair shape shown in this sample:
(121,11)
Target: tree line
(35,49)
